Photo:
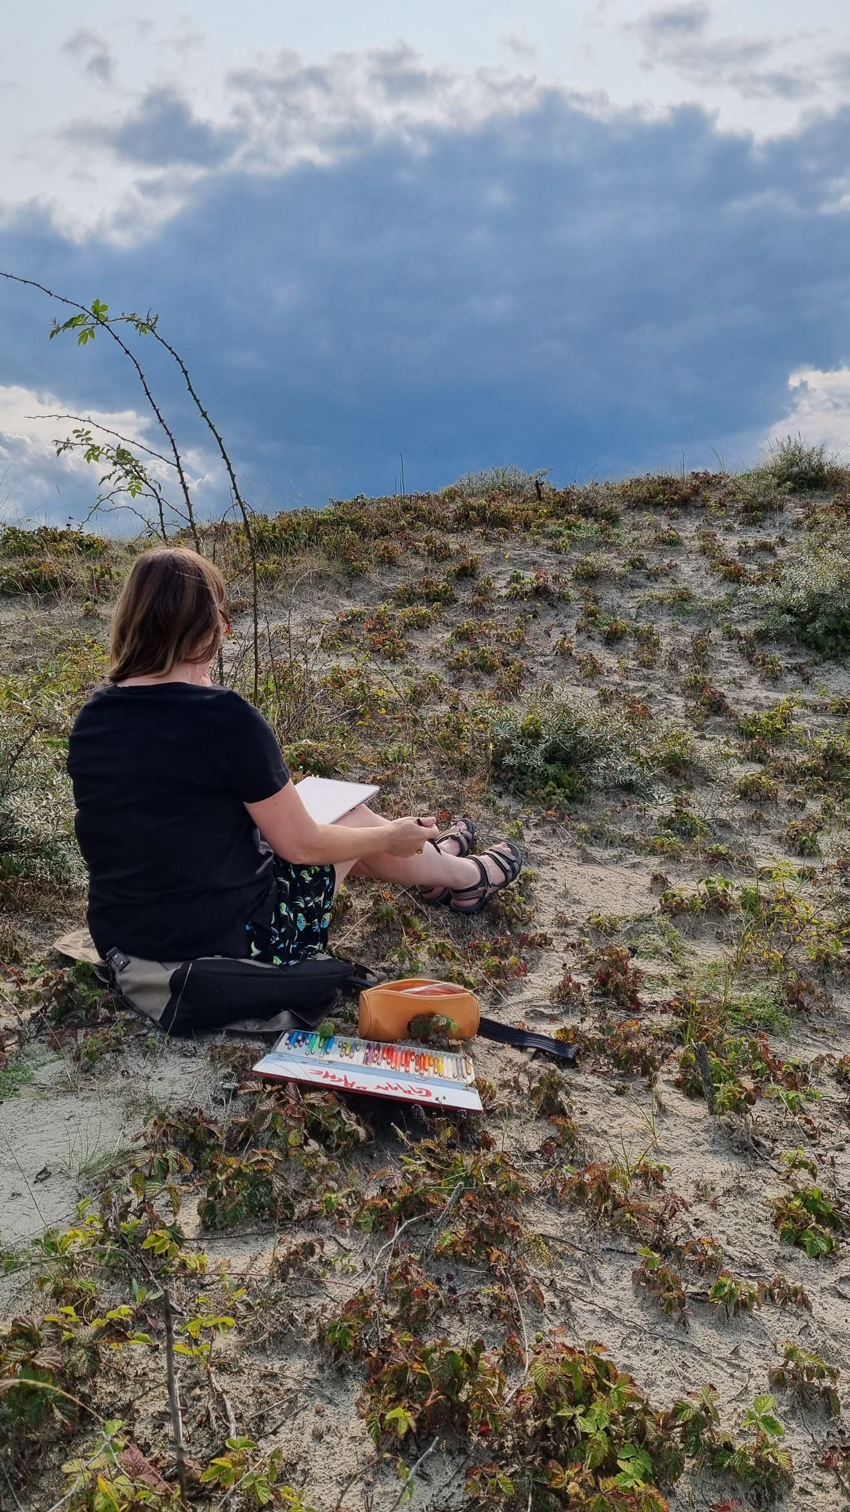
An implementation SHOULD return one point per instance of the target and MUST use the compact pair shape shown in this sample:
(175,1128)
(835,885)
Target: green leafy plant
(757,788)
(808,1376)
(549,1094)
(758,1464)
(626,1192)
(664,491)
(771,725)
(244,1187)
(417,1388)
(476,1195)
(538,584)
(743,1068)
(803,837)
(647,645)
(630,1045)
(662,1282)
(712,895)
(615,976)
(734,1295)
(579,1433)
(811,602)
(115,1478)
(257,1480)
(808,1219)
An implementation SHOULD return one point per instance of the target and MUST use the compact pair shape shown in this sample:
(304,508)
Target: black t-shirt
(161,774)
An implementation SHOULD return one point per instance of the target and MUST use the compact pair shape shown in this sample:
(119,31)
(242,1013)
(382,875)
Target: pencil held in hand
(410,836)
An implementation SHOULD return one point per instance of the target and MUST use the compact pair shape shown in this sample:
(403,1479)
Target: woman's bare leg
(432,868)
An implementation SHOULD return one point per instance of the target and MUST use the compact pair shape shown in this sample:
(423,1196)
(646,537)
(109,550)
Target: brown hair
(170,610)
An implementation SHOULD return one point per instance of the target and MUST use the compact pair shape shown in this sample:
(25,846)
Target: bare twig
(13,1491)
(23,1176)
(416,718)
(408,1222)
(445,1213)
(96,425)
(390,1244)
(703,1066)
(109,327)
(237,492)
(514,1389)
(411,1474)
(173,1393)
(348,1485)
(11,759)
(103,505)
(219,1391)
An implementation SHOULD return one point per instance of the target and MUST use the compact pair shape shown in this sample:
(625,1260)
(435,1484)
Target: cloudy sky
(599,238)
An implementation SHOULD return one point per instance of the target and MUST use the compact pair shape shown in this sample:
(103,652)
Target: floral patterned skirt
(300,918)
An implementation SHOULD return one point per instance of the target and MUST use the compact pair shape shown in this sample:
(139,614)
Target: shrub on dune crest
(812,601)
(558,747)
(506,479)
(802,467)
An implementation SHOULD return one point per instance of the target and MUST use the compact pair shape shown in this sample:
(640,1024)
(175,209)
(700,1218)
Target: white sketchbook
(327,800)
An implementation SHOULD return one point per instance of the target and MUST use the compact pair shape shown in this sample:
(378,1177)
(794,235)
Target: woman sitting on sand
(196,841)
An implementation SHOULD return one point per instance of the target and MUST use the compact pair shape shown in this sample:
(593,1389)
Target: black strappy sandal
(510,867)
(464,833)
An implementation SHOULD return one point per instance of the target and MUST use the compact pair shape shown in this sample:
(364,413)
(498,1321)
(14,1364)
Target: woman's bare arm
(295,836)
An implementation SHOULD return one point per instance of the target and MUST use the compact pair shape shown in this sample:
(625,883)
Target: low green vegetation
(803,468)
(810,603)
(559,748)
(16,1071)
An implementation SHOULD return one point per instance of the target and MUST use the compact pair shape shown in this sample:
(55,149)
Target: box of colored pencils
(411,1073)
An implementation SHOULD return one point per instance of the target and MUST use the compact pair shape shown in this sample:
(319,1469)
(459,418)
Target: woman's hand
(293,834)
(407,837)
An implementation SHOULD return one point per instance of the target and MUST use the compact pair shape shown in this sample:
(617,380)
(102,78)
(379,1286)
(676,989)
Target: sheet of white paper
(327,800)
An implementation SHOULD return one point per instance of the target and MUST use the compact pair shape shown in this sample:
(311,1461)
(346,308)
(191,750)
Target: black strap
(524,1039)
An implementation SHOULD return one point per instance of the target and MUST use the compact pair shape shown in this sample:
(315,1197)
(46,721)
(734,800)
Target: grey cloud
(673,23)
(838,67)
(399,72)
(161,133)
(677,37)
(94,54)
(549,286)
(771,84)
(186,40)
(519,44)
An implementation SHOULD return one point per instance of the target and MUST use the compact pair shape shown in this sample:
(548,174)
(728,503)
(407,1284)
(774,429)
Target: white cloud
(38,486)
(819,410)
(291,111)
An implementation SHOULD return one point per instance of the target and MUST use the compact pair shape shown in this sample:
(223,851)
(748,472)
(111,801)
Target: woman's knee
(362,818)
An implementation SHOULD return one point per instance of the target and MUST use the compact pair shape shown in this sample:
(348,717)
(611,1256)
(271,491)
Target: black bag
(217,992)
